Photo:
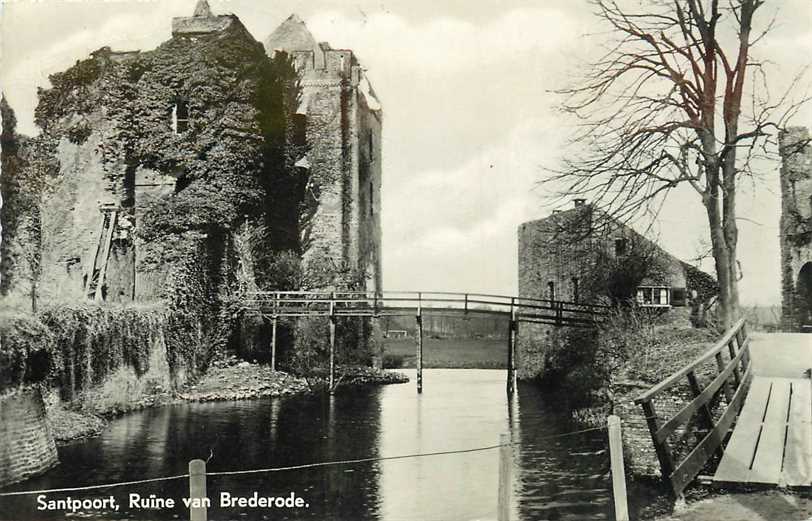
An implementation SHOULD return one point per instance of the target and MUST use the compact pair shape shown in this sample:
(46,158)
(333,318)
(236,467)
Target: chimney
(578,202)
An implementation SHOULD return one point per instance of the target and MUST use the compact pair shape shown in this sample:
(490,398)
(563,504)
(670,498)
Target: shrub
(393,361)
(25,350)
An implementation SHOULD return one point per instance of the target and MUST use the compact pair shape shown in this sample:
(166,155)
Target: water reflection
(565,478)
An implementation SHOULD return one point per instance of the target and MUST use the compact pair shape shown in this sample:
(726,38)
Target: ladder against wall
(94,277)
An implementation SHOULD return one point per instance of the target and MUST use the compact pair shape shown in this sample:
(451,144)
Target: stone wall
(26,444)
(796,228)
(564,256)
(71,216)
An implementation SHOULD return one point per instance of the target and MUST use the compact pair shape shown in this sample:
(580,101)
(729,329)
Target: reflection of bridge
(333,305)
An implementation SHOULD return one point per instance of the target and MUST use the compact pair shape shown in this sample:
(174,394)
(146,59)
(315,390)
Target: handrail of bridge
(733,377)
(353,297)
(391,303)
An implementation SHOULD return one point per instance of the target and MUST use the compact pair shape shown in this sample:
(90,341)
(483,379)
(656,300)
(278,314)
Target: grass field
(447,353)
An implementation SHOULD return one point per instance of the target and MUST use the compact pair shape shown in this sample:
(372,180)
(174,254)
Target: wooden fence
(733,376)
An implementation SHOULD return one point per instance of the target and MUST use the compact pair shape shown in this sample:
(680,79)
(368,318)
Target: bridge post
(511,351)
(274,320)
(505,478)
(419,358)
(332,345)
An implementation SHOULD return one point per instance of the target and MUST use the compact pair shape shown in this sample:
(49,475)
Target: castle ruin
(157,158)
(796,229)
(340,118)
(181,178)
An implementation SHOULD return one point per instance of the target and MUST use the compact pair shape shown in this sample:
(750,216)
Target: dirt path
(755,506)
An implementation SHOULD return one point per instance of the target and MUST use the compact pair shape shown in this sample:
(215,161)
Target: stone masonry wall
(322,232)
(71,218)
(796,224)
(558,258)
(344,156)
(26,444)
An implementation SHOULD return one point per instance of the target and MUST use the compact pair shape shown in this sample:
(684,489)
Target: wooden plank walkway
(772,441)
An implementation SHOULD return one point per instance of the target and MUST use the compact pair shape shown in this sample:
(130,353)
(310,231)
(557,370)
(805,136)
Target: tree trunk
(724,255)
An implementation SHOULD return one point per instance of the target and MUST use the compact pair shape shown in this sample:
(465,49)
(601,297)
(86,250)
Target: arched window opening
(551,290)
(575,288)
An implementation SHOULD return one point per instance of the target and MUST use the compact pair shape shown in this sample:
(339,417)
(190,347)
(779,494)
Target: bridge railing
(731,380)
(391,303)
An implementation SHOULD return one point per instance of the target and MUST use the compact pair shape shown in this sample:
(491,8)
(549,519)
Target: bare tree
(676,100)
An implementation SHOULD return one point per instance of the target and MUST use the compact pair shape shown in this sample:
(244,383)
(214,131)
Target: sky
(470,119)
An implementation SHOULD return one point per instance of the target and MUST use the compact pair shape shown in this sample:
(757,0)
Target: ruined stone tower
(159,155)
(796,229)
(339,119)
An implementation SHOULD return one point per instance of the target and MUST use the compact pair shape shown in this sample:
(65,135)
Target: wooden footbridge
(757,427)
(276,304)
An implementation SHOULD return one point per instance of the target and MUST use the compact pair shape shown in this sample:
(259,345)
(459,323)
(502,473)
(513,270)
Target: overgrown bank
(94,362)
(603,371)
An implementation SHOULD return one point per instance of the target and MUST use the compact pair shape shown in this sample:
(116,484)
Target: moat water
(553,478)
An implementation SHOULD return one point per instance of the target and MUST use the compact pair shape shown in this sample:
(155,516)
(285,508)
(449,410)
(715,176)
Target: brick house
(566,256)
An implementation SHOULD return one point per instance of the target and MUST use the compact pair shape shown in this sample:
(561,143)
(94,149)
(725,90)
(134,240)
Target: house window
(575,289)
(551,290)
(649,296)
(180,116)
(299,130)
(621,247)
(678,296)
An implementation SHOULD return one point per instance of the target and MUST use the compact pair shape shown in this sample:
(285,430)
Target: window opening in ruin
(653,296)
(621,246)
(804,291)
(71,262)
(575,289)
(299,130)
(371,199)
(551,290)
(180,116)
(371,143)
(182,182)
(129,187)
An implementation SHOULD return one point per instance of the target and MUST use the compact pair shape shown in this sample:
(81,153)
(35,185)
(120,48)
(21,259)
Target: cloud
(465,219)
(445,44)
(127,29)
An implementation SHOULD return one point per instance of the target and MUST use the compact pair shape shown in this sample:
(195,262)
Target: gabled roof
(293,35)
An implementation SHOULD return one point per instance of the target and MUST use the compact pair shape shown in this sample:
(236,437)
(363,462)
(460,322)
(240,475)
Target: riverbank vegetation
(95,362)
